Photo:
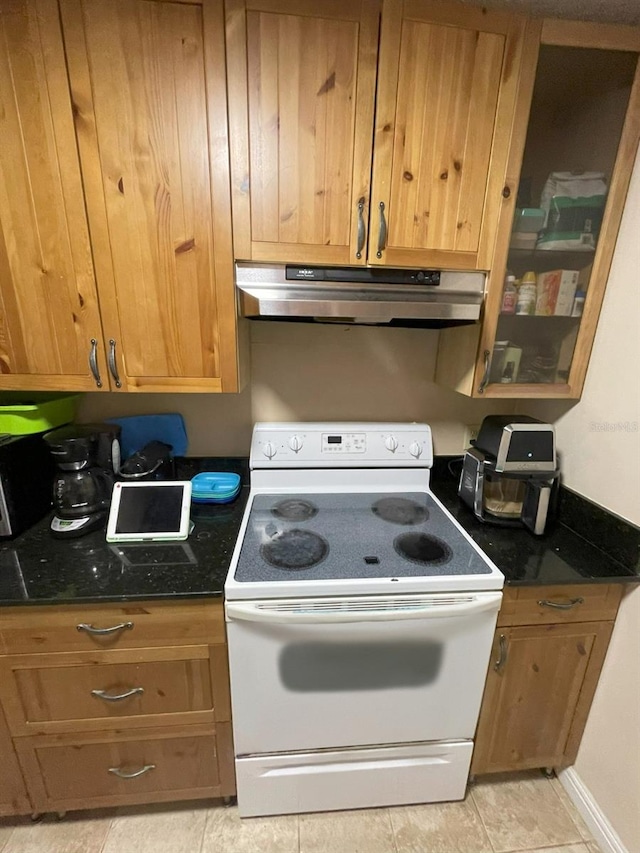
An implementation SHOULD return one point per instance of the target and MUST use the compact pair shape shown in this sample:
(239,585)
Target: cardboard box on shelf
(556,290)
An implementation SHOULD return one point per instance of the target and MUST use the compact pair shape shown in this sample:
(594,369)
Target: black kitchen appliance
(510,475)
(88,459)
(26,471)
(153,462)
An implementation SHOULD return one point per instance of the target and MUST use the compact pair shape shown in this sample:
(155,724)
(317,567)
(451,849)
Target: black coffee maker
(88,460)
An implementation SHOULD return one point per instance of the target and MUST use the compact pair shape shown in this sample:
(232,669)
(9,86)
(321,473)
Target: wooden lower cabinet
(13,794)
(96,720)
(542,677)
(116,768)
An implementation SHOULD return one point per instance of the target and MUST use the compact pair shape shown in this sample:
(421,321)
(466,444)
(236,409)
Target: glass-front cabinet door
(548,281)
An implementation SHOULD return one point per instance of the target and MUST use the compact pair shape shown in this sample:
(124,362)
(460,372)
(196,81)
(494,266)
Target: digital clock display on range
(334,439)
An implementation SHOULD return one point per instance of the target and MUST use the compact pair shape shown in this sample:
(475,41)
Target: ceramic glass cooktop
(355,535)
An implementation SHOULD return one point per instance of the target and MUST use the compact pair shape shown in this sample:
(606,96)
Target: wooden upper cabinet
(447,85)
(301,101)
(302,89)
(148,83)
(48,304)
(572,176)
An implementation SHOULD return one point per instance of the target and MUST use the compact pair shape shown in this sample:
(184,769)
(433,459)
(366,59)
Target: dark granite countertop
(37,569)
(565,554)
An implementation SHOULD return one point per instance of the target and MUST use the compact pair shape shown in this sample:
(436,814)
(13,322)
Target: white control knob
(295,443)
(415,449)
(391,443)
(269,449)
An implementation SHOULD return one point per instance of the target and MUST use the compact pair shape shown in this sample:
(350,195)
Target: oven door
(322,673)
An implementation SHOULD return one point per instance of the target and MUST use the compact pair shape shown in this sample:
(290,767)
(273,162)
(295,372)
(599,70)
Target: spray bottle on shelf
(509,295)
(527,294)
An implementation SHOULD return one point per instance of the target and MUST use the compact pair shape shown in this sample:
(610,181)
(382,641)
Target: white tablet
(151,510)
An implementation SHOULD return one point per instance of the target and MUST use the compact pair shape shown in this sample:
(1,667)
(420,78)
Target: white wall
(600,445)
(317,372)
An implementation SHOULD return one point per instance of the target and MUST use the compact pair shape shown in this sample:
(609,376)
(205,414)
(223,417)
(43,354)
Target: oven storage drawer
(346,672)
(352,779)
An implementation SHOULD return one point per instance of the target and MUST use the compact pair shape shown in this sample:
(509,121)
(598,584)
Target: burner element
(295,549)
(422,548)
(400,511)
(294,509)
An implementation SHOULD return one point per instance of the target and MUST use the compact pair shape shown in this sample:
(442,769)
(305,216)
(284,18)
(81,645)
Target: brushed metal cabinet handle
(502,657)
(91,629)
(122,774)
(93,362)
(544,602)
(485,376)
(113,367)
(116,697)
(382,231)
(362,234)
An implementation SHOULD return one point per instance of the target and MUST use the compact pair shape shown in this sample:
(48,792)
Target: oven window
(326,667)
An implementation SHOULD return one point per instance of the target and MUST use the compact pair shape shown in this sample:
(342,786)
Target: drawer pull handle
(122,774)
(502,657)
(111,697)
(90,629)
(543,602)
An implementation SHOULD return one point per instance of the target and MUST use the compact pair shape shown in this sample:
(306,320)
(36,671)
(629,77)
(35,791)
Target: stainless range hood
(376,296)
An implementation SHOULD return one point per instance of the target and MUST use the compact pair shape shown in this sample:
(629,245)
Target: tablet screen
(150,510)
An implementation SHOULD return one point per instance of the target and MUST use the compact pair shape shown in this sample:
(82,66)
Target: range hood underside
(265,294)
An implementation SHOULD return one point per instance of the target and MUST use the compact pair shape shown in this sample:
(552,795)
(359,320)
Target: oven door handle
(315,613)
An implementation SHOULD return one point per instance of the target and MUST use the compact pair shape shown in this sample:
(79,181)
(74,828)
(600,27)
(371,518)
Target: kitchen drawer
(69,772)
(543,605)
(130,625)
(54,693)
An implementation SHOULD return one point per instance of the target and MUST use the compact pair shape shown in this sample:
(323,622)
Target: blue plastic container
(214,487)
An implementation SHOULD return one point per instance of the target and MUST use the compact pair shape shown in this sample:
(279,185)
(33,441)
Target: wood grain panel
(73,772)
(301,94)
(54,629)
(13,794)
(529,706)
(588,603)
(145,84)
(445,83)
(53,694)
(48,302)
(590,34)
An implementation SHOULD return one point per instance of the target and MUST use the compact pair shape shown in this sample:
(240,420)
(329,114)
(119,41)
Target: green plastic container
(24,412)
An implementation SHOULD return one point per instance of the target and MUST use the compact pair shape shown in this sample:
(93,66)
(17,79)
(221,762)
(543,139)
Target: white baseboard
(604,834)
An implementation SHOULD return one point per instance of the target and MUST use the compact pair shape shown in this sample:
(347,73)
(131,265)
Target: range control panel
(341,445)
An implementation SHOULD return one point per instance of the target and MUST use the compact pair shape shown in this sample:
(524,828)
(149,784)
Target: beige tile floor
(501,815)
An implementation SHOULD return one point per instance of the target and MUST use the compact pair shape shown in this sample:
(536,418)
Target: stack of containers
(214,487)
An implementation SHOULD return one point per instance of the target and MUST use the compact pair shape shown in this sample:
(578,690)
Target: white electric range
(360,618)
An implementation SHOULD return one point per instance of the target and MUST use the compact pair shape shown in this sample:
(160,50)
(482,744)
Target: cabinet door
(301,99)
(571,159)
(447,86)
(539,690)
(148,87)
(48,304)
(13,796)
